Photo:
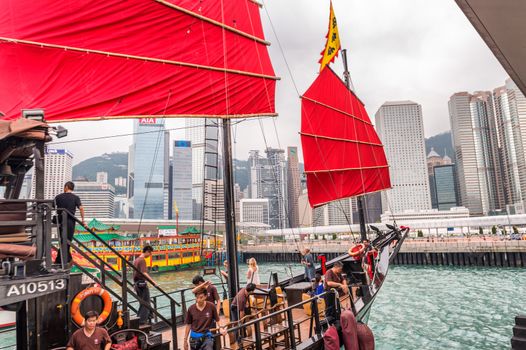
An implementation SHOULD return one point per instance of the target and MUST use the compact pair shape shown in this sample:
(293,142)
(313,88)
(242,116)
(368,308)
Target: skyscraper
(293,185)
(214,208)
(338,212)
(255,210)
(98,199)
(58,164)
(400,127)
(434,159)
(201,135)
(182,179)
(475,144)
(445,186)
(268,179)
(510,113)
(102,177)
(147,159)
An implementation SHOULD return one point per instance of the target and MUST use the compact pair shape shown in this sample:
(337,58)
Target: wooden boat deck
(273,336)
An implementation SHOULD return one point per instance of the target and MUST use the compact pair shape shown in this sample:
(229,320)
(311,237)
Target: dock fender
(365,337)
(76,315)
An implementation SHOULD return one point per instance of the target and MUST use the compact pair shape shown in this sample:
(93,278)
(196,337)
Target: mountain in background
(442,144)
(115,164)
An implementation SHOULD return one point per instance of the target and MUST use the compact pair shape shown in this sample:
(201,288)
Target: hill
(115,164)
(441,143)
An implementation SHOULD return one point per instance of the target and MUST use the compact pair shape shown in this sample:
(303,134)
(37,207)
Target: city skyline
(410,59)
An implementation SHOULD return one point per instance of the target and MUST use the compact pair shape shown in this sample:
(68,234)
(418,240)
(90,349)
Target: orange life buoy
(357,250)
(75,305)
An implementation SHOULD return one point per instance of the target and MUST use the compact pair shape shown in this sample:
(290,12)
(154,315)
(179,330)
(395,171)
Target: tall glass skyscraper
(476,149)
(445,186)
(182,179)
(147,159)
(195,132)
(510,112)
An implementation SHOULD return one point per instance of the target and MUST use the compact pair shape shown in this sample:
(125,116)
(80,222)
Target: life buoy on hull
(76,315)
(357,250)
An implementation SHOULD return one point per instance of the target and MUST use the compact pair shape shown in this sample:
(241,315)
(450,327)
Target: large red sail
(342,152)
(103,59)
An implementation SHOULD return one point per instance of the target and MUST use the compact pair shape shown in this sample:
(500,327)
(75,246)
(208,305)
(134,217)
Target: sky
(416,50)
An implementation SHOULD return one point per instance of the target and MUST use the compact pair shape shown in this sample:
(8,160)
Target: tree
(420,233)
(481,231)
(315,236)
(515,230)
(334,236)
(494,230)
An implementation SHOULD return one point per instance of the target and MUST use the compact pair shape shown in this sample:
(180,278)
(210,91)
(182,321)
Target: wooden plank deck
(297,315)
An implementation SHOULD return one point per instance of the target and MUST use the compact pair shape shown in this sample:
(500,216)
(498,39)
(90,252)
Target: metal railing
(315,326)
(121,279)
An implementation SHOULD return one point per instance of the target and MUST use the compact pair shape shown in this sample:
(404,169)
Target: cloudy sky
(398,50)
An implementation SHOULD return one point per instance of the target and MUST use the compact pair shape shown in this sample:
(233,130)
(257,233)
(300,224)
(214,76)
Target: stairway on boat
(41,292)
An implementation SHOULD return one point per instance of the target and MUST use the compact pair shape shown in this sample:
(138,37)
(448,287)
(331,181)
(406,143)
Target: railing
(36,215)
(315,326)
(121,279)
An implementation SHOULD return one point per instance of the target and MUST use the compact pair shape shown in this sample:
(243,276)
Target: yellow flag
(333,42)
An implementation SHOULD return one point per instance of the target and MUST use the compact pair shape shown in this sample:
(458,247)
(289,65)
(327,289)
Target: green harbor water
(424,307)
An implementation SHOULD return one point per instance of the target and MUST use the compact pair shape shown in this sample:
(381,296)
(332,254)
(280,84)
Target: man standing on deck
(334,279)
(140,279)
(240,304)
(69,201)
(90,337)
(200,318)
(308,261)
(211,291)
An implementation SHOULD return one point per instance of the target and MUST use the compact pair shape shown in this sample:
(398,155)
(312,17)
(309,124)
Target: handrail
(289,308)
(124,279)
(129,264)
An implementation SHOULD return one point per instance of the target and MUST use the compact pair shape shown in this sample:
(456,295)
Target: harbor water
(424,307)
(429,307)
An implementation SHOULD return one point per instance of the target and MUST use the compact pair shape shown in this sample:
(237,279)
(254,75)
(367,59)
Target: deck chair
(226,308)
(127,335)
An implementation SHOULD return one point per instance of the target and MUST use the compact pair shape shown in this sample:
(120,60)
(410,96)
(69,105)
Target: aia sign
(148,121)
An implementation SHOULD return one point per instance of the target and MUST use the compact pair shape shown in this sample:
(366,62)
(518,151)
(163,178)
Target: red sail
(103,59)
(342,152)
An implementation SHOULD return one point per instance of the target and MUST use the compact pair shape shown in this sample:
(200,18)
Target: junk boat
(99,60)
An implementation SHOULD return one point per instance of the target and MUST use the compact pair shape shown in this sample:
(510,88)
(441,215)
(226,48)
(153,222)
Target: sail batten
(343,154)
(104,59)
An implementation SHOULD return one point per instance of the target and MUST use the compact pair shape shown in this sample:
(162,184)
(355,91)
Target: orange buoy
(75,305)
(357,250)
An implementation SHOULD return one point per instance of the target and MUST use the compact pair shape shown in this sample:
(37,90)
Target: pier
(445,252)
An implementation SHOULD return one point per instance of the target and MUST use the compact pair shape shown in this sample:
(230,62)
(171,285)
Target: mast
(230,222)
(359,199)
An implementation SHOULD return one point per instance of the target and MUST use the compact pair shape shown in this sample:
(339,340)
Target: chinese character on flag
(333,42)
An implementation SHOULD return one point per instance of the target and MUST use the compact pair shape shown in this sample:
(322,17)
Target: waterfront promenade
(473,251)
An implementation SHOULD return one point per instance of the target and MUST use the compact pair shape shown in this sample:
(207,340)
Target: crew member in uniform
(90,337)
(200,318)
